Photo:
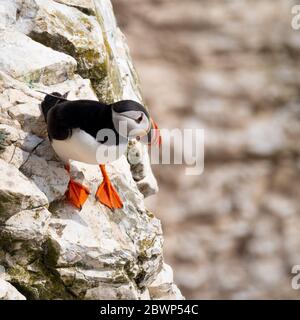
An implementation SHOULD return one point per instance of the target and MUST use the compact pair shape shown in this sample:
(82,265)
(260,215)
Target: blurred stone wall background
(232,68)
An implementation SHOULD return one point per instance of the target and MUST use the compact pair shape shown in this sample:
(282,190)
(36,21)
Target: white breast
(82,147)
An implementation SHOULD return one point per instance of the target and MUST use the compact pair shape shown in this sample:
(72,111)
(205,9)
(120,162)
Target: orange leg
(76,193)
(106,193)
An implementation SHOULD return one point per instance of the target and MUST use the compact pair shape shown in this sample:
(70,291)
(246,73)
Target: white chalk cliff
(48,249)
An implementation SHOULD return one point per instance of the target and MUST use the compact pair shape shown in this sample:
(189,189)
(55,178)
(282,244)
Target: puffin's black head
(131,119)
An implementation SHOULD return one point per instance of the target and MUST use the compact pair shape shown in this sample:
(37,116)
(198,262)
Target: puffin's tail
(51,100)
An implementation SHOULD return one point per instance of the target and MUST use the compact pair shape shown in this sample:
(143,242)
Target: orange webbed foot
(107,194)
(77,193)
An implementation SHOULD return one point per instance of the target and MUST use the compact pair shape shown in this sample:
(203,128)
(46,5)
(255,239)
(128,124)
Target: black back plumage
(90,116)
(50,101)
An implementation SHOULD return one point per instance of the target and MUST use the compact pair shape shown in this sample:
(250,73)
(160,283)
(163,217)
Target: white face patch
(131,124)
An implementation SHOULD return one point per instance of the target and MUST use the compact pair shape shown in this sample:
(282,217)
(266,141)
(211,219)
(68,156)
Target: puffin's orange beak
(155,134)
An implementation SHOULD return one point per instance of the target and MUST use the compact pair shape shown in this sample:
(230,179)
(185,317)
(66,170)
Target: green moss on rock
(3,140)
(51,253)
(40,284)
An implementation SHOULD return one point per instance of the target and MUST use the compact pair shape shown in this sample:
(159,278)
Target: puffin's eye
(139,119)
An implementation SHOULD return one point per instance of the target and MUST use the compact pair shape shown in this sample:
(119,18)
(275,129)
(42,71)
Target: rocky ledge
(48,249)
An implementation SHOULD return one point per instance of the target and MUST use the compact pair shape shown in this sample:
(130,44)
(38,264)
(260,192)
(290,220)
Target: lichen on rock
(48,249)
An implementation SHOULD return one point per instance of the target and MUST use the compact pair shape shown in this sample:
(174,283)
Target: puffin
(73,129)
